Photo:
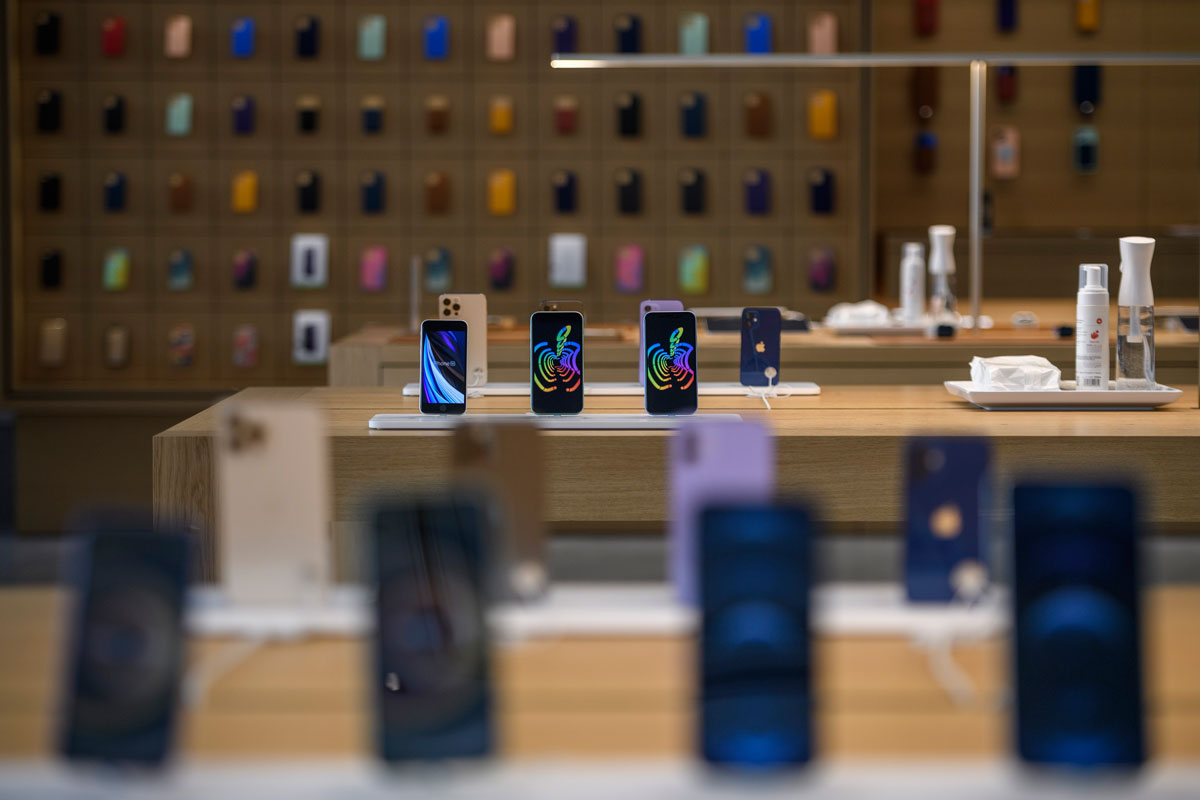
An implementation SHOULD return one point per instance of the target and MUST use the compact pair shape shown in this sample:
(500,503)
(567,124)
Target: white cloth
(866,314)
(1015,373)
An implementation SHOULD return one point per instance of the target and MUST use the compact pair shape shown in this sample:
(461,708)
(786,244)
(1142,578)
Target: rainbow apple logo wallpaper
(557,366)
(667,367)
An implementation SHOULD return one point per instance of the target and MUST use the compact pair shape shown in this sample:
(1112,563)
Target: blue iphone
(946,485)
(761,329)
(755,650)
(1078,642)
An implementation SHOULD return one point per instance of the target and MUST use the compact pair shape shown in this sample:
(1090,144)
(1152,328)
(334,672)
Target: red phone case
(926,17)
(112,41)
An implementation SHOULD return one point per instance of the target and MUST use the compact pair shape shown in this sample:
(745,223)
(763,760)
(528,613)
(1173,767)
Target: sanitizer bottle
(942,269)
(912,284)
(1135,316)
(1091,329)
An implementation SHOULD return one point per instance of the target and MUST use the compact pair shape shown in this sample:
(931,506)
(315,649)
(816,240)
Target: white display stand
(631,389)
(1065,399)
(614,421)
(342,612)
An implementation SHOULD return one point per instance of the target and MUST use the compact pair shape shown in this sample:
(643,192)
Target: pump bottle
(912,284)
(942,268)
(1135,316)
(1091,329)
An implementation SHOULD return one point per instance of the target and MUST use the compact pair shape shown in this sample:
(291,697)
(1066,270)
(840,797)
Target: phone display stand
(570,422)
(633,389)
(339,612)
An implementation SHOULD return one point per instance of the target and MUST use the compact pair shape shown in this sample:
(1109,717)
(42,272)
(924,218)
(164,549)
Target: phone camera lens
(456,306)
(445,301)
(446,311)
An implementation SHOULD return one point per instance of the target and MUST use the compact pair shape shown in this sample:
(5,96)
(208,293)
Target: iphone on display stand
(472,308)
(556,362)
(761,334)
(671,365)
(646,307)
(443,366)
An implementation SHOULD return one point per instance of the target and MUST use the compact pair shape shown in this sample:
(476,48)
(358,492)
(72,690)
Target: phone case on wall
(693,269)
(1006,152)
(568,260)
(181,190)
(242,113)
(49,111)
(437,270)
(926,91)
(47,33)
(179,114)
(116,270)
(762,330)
(693,191)
(50,269)
(628,31)
(273,514)
(309,261)
(308,37)
(245,346)
(372,37)
(823,115)
(52,342)
(925,149)
(437,114)
(822,193)
(693,33)
(925,17)
(435,38)
(500,39)
(308,192)
(565,187)
(242,34)
(758,33)
(371,114)
(472,309)
(1087,85)
(112,37)
(946,485)
(181,271)
(308,114)
(1007,13)
(566,114)
(709,463)
(757,273)
(564,30)
(500,116)
(1087,15)
(244,192)
(644,308)
(116,347)
(181,345)
(757,112)
(115,185)
(506,460)
(502,193)
(822,268)
(312,331)
(693,115)
(629,115)
(437,193)
(177,36)
(373,192)
(373,269)
(823,33)
(245,269)
(502,268)
(629,268)
(1006,85)
(756,185)
(50,192)
(629,191)
(113,111)
(1086,149)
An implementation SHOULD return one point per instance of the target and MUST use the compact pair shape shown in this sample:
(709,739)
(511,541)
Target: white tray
(566,422)
(1066,398)
(631,389)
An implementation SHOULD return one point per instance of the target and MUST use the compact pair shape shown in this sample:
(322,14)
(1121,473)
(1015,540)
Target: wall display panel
(166,154)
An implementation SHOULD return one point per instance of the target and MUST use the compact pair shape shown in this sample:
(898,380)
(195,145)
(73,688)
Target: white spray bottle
(912,284)
(1135,316)
(942,268)
(1091,329)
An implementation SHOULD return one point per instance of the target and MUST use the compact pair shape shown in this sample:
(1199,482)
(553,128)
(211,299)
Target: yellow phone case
(823,115)
(1087,15)
(500,115)
(502,193)
(244,194)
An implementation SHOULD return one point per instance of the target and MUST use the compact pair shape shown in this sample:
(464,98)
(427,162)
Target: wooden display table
(842,449)
(596,697)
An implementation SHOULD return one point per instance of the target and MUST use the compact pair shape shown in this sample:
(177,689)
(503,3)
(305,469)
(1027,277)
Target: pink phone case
(823,33)
(501,44)
(629,268)
(710,463)
(372,269)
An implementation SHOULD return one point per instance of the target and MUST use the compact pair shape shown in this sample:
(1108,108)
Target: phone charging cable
(770,390)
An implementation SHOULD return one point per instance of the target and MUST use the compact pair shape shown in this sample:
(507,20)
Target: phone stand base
(631,389)
(341,612)
(566,422)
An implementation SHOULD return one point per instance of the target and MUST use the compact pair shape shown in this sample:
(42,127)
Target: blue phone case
(180,272)
(629,115)
(114,191)
(761,333)
(628,29)
(758,33)
(757,185)
(946,489)
(565,31)
(437,270)
(1087,81)
(435,38)
(308,37)
(693,191)
(925,150)
(566,190)
(308,192)
(757,273)
(179,114)
(1077,627)
(372,119)
(693,115)
(114,114)
(629,191)
(1006,15)
(821,191)
(242,112)
(374,193)
(241,37)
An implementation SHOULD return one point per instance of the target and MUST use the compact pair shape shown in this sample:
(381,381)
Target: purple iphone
(711,463)
(646,307)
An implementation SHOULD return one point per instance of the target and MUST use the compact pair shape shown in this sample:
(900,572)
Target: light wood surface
(841,449)
(591,697)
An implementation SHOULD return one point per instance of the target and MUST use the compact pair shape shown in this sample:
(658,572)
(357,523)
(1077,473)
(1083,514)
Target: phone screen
(126,652)
(443,367)
(1078,632)
(431,645)
(671,362)
(755,655)
(556,362)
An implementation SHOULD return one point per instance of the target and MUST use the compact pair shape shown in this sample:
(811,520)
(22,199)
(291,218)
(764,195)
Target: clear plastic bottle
(1135,316)
(942,269)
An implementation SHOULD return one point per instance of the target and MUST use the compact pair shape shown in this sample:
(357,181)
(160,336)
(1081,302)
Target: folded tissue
(867,314)
(1015,373)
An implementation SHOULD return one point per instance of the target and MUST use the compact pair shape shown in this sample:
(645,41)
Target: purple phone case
(643,307)
(711,462)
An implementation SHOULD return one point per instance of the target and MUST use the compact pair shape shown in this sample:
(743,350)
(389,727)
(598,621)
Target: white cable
(201,677)
(970,584)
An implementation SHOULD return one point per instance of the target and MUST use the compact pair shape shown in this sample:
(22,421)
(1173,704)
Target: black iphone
(556,362)
(671,363)
(126,649)
(443,366)
(431,681)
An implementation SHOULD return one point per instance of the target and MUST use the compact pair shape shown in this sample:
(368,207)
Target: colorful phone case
(757,115)
(373,190)
(181,272)
(693,34)
(179,114)
(756,185)
(564,32)
(708,463)
(112,37)
(502,193)
(372,37)
(629,268)
(181,345)
(113,112)
(693,115)
(114,192)
(693,269)
(502,266)
(1086,149)
(760,356)
(822,269)
(177,36)
(629,191)
(822,115)
(644,308)
(243,192)
(758,33)
(629,115)
(308,37)
(628,30)
(435,38)
(245,346)
(242,113)
(437,270)
(501,115)
(693,191)
(1006,152)
(245,269)
(373,269)
(757,273)
(566,114)
(821,191)
(371,114)
(823,33)
(565,187)
(500,38)
(117,266)
(242,34)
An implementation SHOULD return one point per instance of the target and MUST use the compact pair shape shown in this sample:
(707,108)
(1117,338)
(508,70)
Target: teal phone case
(437,270)
(693,269)
(757,275)
(372,37)
(179,114)
(693,34)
